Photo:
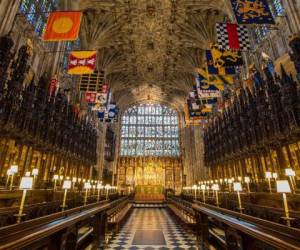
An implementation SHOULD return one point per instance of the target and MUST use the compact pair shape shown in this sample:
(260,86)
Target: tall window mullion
(36,12)
(155,131)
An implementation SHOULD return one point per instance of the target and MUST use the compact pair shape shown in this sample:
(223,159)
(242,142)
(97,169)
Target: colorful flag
(191,121)
(90,97)
(53,87)
(217,80)
(76,108)
(101,112)
(226,58)
(63,26)
(200,108)
(82,62)
(93,82)
(207,91)
(252,12)
(112,112)
(109,114)
(233,36)
(213,70)
(102,98)
(105,88)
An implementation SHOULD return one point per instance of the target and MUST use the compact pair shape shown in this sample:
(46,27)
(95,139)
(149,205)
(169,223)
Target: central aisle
(152,228)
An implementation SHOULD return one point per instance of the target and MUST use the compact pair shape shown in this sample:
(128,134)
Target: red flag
(63,26)
(54,85)
(82,62)
(233,36)
(90,97)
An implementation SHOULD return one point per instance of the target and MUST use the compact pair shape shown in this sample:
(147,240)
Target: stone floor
(152,228)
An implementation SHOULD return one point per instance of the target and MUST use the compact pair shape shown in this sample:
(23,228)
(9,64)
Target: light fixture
(13,171)
(237,187)
(94,189)
(203,187)
(247,181)
(230,181)
(25,184)
(268,177)
(34,173)
(291,174)
(67,184)
(99,187)
(284,187)
(87,186)
(55,178)
(195,191)
(208,192)
(8,173)
(74,180)
(275,175)
(107,188)
(216,188)
(27,174)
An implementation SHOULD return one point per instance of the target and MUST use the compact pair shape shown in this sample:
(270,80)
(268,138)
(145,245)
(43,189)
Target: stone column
(100,148)
(292,8)
(8,11)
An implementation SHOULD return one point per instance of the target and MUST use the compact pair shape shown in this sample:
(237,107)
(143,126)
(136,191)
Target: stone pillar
(8,11)
(100,149)
(292,8)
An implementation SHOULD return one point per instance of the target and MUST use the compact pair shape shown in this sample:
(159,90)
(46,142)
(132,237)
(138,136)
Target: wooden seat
(183,212)
(184,217)
(117,216)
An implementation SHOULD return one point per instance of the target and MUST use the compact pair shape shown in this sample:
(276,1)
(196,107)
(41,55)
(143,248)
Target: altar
(150,177)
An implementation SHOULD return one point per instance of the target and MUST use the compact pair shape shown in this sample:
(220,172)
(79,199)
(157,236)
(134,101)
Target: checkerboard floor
(176,237)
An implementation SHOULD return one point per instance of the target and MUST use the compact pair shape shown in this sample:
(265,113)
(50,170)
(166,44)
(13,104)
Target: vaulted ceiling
(149,49)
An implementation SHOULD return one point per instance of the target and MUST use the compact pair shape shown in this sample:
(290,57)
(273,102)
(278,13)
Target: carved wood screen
(164,172)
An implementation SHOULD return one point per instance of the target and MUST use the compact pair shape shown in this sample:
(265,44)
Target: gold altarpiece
(150,174)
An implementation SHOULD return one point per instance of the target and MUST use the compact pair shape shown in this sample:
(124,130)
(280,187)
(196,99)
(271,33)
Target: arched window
(262,31)
(150,130)
(36,12)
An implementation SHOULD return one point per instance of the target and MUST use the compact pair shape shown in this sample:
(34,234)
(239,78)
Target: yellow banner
(63,26)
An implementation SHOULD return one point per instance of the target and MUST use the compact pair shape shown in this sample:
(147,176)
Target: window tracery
(150,130)
(36,12)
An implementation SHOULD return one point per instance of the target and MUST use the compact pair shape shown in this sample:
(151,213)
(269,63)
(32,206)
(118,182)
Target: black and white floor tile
(152,228)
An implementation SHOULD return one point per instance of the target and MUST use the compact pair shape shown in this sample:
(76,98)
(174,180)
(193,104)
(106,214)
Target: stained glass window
(150,130)
(261,31)
(71,45)
(36,12)
(277,7)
